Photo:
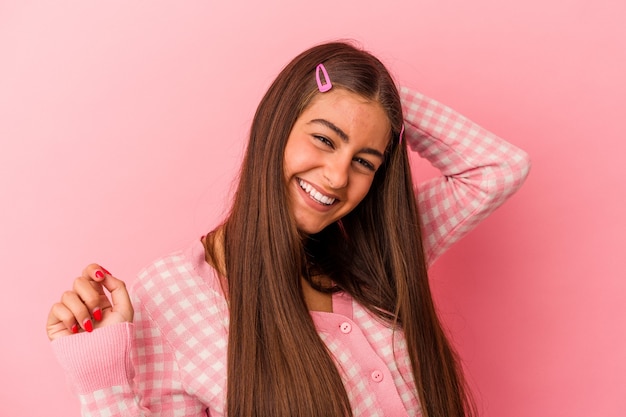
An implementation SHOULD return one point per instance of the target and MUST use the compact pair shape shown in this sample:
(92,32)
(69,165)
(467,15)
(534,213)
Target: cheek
(290,166)
(360,189)
(290,157)
(290,162)
(298,159)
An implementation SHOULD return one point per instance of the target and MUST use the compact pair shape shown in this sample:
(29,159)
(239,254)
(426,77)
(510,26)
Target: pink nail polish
(75,328)
(97,314)
(87,325)
(99,274)
(105,271)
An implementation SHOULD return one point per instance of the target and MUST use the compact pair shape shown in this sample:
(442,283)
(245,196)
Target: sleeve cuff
(99,359)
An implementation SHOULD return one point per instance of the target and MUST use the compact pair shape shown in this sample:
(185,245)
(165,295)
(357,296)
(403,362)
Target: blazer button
(345,327)
(377,376)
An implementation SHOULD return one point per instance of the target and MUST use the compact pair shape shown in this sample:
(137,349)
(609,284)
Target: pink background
(122,125)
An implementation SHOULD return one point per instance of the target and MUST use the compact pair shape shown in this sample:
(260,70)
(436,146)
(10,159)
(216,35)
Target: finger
(79,310)
(92,295)
(120,299)
(95,272)
(61,322)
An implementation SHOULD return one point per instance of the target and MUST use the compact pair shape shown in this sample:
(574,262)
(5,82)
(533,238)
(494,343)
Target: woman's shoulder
(181,277)
(178,300)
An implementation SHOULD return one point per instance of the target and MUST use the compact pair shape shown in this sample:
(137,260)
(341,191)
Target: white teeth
(316,195)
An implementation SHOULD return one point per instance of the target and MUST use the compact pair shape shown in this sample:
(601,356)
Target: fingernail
(105,271)
(97,314)
(99,274)
(75,328)
(87,325)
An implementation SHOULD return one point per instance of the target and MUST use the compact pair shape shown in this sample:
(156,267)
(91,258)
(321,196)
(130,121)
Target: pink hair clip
(401,134)
(327,84)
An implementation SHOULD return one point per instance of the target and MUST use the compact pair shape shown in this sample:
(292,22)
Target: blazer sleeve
(480,171)
(126,370)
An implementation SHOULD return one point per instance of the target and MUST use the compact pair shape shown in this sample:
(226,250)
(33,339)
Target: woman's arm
(480,170)
(100,371)
(125,370)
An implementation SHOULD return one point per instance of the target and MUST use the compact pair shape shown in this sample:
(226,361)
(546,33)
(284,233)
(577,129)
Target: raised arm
(480,171)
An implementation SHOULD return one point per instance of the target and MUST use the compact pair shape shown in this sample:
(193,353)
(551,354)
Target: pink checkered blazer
(172,360)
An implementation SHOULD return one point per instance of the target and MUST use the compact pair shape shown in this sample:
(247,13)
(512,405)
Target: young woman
(312,298)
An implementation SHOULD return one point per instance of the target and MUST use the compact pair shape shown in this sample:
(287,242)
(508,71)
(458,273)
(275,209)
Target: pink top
(171,361)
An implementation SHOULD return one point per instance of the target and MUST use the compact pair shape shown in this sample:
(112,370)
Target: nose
(336,173)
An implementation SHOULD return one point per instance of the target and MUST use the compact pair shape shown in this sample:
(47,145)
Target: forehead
(358,116)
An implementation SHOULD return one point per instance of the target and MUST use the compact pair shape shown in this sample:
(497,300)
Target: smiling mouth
(314,194)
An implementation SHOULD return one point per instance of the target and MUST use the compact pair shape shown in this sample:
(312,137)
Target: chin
(310,229)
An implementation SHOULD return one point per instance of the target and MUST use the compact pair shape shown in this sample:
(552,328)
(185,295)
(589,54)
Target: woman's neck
(316,300)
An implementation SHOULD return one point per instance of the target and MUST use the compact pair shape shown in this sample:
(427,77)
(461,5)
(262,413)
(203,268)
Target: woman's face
(331,156)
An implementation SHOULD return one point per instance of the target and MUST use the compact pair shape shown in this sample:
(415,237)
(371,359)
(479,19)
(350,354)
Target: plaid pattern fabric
(177,363)
(480,171)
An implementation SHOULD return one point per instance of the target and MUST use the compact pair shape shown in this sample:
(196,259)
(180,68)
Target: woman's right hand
(86,307)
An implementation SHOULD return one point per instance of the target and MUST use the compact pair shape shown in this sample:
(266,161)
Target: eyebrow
(344,137)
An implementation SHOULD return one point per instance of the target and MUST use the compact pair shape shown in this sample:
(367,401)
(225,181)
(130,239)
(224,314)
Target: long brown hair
(277,364)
